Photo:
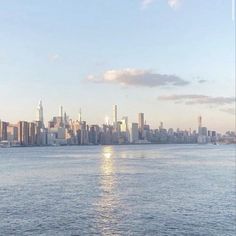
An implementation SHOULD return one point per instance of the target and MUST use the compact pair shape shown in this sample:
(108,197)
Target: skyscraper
(141,121)
(134,135)
(23,133)
(80,115)
(60,111)
(200,125)
(114,116)
(32,133)
(61,114)
(3,130)
(39,114)
(199,121)
(124,124)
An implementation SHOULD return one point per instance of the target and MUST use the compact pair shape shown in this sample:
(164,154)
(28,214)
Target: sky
(173,60)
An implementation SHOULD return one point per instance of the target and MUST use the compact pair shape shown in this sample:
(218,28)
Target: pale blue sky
(49,48)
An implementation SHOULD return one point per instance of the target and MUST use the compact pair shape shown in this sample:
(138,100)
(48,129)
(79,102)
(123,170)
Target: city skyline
(111,117)
(172,60)
(62,130)
(112,120)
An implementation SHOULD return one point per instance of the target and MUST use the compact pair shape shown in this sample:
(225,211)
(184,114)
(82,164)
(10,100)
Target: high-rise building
(60,111)
(32,133)
(65,119)
(23,132)
(161,127)
(3,130)
(124,131)
(204,131)
(39,114)
(114,116)
(84,133)
(12,133)
(61,115)
(80,115)
(124,124)
(199,125)
(38,133)
(134,134)
(141,121)
(141,125)
(93,134)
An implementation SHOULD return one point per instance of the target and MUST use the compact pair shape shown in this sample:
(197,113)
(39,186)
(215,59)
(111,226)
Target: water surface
(118,190)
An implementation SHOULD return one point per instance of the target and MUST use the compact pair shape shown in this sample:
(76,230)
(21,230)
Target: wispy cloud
(201,81)
(138,77)
(53,57)
(147,3)
(172,3)
(191,99)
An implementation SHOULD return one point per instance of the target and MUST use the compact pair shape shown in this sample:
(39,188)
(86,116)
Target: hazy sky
(173,60)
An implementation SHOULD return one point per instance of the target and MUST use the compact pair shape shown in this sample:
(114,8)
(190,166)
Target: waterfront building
(38,128)
(204,131)
(12,133)
(3,130)
(23,133)
(61,115)
(114,117)
(141,121)
(39,114)
(106,135)
(43,137)
(134,133)
(199,125)
(161,127)
(32,133)
(146,132)
(93,134)
(124,124)
(83,133)
(141,125)
(124,131)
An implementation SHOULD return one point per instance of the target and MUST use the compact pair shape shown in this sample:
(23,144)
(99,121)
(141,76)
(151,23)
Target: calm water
(121,190)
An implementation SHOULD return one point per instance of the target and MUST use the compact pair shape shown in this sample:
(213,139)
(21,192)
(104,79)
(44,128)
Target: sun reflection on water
(108,202)
(107,165)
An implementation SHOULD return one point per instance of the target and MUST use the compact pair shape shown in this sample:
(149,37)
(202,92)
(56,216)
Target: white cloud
(174,3)
(138,77)
(146,3)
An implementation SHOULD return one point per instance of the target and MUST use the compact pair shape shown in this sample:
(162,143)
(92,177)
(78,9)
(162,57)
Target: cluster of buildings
(61,130)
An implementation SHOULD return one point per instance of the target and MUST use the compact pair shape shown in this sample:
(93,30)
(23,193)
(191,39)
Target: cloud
(172,3)
(54,57)
(230,111)
(201,81)
(147,3)
(137,77)
(191,99)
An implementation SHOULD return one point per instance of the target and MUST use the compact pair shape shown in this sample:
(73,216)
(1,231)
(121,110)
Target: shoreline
(127,144)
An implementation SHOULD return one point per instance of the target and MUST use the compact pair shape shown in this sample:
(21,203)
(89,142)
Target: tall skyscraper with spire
(39,113)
